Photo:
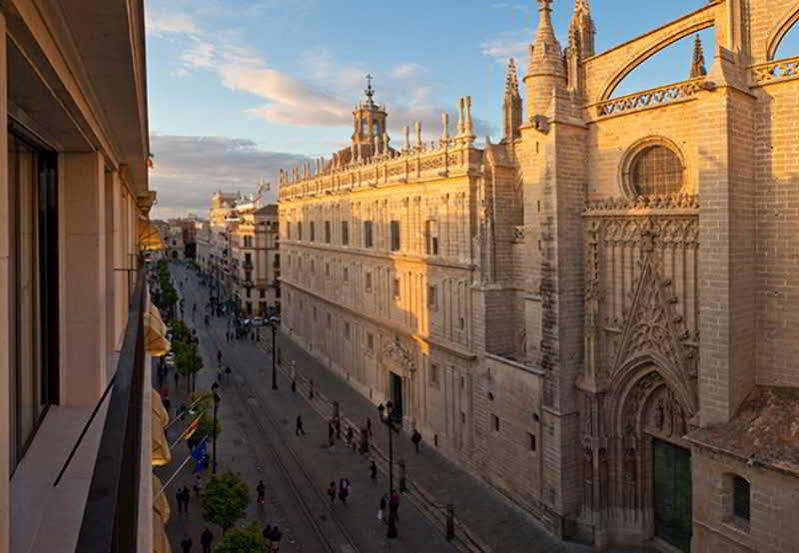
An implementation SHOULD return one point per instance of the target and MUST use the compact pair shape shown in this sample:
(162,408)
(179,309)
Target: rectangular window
(463,417)
(345,233)
(288,231)
(261,293)
(347,330)
(395,236)
(741,498)
(313,232)
(247,257)
(367,234)
(249,292)
(314,314)
(462,323)
(327,232)
(531,439)
(346,274)
(299,230)
(434,374)
(495,423)
(327,269)
(33,283)
(329,320)
(396,288)
(248,241)
(431,237)
(368,282)
(313,267)
(370,341)
(432,297)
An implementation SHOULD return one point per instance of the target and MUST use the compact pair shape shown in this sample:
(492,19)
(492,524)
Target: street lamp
(217,399)
(389,421)
(273,322)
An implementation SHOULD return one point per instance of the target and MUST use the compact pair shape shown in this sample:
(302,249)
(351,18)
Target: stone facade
(580,313)
(255,261)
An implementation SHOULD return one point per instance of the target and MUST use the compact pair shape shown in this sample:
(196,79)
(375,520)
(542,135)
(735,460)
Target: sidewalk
(486,521)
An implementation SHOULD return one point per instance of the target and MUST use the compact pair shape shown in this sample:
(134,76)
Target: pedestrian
(261,489)
(293,386)
(206,539)
(368,426)
(179,498)
(416,438)
(343,490)
(219,376)
(310,389)
(331,491)
(186,544)
(219,356)
(338,428)
(299,430)
(402,479)
(186,499)
(228,371)
(373,470)
(381,511)
(350,434)
(331,434)
(177,379)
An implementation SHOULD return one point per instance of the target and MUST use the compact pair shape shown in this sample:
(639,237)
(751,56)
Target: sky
(239,89)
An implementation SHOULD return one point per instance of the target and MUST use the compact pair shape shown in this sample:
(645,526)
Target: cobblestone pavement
(258,442)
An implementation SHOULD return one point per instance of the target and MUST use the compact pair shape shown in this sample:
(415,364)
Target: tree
(242,540)
(187,360)
(224,500)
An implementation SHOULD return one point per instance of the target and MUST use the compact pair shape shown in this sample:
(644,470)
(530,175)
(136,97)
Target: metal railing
(111,517)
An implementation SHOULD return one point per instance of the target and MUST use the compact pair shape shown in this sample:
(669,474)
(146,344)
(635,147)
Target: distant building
(255,259)
(597,315)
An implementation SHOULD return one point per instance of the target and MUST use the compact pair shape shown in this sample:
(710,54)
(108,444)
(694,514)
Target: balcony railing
(110,518)
(779,70)
(655,97)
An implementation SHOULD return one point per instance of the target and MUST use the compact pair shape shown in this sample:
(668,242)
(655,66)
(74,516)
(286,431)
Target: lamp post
(273,322)
(217,399)
(389,420)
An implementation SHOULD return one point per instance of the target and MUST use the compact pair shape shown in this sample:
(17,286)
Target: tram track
(297,477)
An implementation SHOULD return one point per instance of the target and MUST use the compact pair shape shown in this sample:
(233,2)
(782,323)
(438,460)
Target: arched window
(377,127)
(655,170)
(740,498)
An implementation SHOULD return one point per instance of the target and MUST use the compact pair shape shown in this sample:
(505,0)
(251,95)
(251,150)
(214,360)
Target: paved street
(258,441)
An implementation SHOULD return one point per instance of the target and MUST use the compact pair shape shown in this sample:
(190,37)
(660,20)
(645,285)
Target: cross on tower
(369,90)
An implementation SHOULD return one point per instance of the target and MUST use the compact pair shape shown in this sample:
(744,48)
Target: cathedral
(597,314)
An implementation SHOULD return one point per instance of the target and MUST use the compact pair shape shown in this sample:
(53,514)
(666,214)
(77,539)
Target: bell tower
(370,135)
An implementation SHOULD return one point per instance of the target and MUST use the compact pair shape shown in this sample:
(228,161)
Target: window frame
(629,163)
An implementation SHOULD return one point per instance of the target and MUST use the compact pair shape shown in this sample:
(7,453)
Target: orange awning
(149,238)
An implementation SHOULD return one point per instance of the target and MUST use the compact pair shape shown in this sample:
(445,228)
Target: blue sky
(241,88)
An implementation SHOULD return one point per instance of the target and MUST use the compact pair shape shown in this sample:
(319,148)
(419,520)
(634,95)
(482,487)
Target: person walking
(331,434)
(219,356)
(349,436)
(293,386)
(186,544)
(206,539)
(373,470)
(416,438)
(393,505)
(381,511)
(331,492)
(261,489)
(343,490)
(179,499)
(186,499)
(299,430)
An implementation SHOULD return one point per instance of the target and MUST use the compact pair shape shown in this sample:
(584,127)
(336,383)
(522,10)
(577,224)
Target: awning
(159,411)
(160,502)
(161,453)
(149,237)
(160,539)
(155,342)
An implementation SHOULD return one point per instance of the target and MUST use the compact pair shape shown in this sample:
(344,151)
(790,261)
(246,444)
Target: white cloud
(160,23)
(509,44)
(408,71)
(189,169)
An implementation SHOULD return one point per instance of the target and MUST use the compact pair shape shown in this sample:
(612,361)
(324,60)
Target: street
(258,442)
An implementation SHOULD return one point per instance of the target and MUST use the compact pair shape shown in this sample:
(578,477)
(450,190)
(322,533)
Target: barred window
(656,170)
(741,496)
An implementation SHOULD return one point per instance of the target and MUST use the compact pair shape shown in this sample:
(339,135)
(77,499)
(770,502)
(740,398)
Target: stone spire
(582,31)
(369,121)
(545,70)
(698,63)
(512,106)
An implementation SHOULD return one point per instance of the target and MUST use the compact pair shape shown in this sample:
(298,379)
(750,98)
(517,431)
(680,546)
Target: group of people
(183,497)
(206,539)
(344,489)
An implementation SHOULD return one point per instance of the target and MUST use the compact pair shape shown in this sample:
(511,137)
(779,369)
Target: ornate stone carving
(650,98)
(625,204)
(776,71)
(398,355)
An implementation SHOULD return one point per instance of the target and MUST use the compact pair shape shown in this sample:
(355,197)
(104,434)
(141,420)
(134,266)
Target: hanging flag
(202,464)
(200,450)
(192,428)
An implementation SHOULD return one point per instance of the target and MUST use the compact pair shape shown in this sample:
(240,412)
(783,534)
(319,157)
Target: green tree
(242,540)
(224,500)
(187,361)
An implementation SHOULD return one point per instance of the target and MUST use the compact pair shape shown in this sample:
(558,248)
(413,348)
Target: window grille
(656,171)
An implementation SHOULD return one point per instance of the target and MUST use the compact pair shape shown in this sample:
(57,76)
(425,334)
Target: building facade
(597,314)
(74,202)
(255,259)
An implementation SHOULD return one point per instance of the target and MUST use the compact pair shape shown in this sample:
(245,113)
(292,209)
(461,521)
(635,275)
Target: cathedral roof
(764,431)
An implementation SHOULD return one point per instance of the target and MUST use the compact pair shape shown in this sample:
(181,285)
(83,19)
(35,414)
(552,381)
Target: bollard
(450,521)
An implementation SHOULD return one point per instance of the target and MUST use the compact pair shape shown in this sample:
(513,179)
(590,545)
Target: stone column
(83,278)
